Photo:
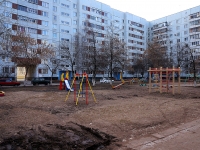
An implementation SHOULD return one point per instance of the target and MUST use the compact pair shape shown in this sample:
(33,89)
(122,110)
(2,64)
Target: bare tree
(156,54)
(70,51)
(93,59)
(179,55)
(7,67)
(139,66)
(53,62)
(186,58)
(191,60)
(115,49)
(27,52)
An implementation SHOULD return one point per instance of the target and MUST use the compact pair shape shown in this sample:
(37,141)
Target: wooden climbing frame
(160,84)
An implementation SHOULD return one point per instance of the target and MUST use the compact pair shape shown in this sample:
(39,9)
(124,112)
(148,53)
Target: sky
(151,9)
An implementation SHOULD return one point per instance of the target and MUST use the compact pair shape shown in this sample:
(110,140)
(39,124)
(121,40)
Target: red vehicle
(4,82)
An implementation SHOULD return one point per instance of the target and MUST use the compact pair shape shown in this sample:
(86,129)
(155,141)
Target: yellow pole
(92,91)
(80,89)
(67,75)
(71,88)
(121,78)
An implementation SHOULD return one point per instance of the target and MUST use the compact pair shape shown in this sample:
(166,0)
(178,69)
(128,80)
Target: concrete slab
(139,142)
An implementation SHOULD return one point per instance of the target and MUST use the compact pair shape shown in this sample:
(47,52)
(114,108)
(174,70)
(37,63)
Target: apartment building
(176,29)
(54,21)
(57,20)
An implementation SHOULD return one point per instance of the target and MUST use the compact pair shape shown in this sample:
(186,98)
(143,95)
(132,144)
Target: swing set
(77,93)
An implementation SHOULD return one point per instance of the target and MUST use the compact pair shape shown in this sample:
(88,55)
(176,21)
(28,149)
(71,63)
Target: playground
(40,116)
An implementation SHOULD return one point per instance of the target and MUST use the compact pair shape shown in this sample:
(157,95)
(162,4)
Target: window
(178,34)
(178,40)
(44,32)
(54,18)
(64,14)
(178,21)
(54,26)
(185,19)
(45,4)
(22,8)
(7,25)
(64,5)
(185,32)
(20,28)
(32,30)
(6,59)
(75,22)
(54,35)
(31,10)
(64,22)
(185,25)
(64,31)
(86,8)
(7,4)
(74,14)
(44,23)
(32,1)
(44,71)
(6,70)
(23,18)
(186,39)
(74,30)
(178,27)
(7,14)
(74,6)
(63,39)
(106,21)
(54,8)
(93,9)
(55,1)
(44,13)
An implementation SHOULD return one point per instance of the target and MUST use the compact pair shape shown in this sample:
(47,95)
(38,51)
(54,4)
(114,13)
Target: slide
(68,86)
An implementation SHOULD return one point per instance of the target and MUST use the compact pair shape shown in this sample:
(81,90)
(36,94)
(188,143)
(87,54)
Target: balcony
(160,26)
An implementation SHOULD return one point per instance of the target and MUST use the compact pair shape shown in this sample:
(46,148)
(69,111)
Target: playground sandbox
(39,117)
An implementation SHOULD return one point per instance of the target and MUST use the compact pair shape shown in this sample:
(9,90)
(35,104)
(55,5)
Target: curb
(163,136)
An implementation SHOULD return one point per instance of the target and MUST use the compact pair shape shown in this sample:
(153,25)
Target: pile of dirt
(54,137)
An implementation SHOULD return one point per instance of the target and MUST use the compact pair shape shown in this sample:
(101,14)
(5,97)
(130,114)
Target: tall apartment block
(56,20)
(176,29)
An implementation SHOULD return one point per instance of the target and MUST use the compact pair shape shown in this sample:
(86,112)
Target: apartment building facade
(176,30)
(57,20)
(54,21)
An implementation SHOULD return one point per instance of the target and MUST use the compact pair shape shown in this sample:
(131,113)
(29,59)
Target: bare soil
(38,117)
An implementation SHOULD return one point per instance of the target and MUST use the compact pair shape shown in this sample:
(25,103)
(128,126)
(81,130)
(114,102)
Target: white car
(106,80)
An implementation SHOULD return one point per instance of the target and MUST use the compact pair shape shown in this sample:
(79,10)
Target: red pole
(60,87)
(86,88)
(75,89)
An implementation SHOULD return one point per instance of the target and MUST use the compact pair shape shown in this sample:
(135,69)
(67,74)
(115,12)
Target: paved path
(184,137)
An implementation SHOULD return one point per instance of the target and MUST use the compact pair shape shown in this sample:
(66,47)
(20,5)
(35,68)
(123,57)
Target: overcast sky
(151,9)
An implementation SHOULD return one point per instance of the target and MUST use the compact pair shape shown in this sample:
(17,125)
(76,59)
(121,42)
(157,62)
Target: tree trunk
(51,76)
(25,78)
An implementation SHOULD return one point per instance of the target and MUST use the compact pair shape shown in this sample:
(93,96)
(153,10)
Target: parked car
(5,82)
(105,80)
(40,80)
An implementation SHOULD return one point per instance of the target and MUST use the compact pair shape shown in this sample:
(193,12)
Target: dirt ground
(39,117)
